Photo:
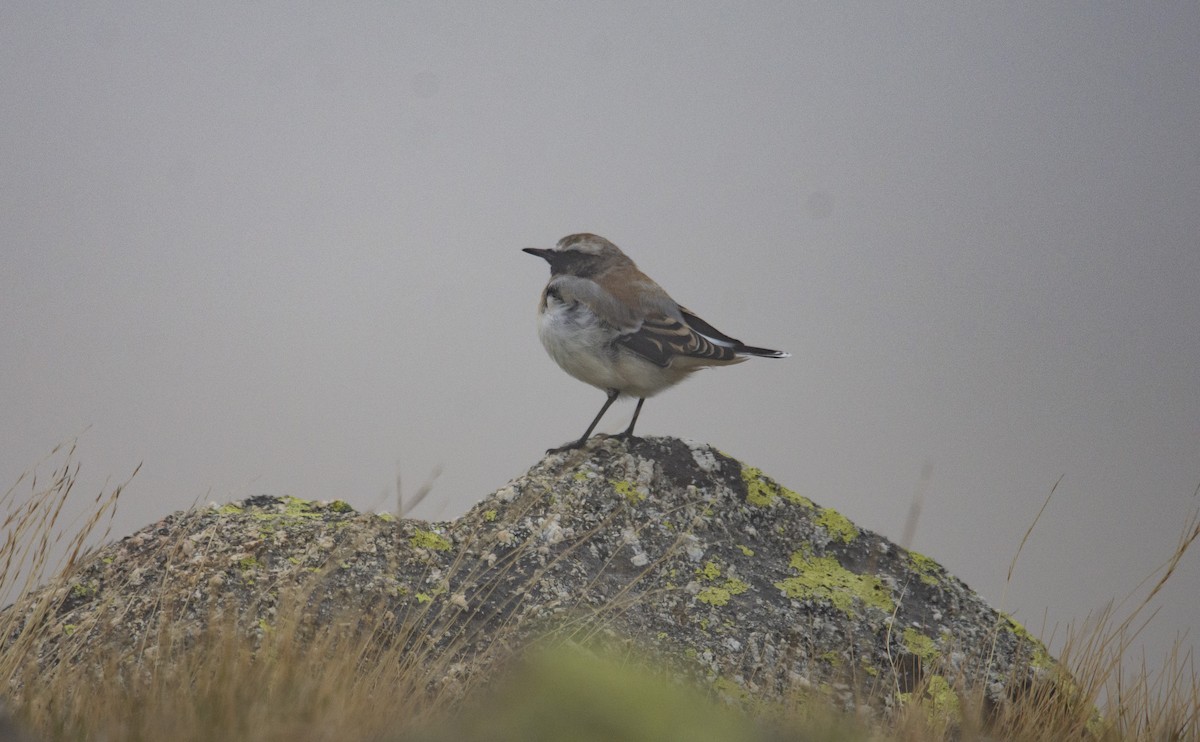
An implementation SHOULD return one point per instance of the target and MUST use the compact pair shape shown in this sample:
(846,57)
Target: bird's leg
(629,431)
(612,397)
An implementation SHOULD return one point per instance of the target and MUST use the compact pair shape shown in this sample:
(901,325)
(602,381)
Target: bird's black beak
(541,253)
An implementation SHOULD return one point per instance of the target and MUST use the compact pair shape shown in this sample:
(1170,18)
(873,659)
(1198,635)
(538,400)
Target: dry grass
(344,682)
(1094,692)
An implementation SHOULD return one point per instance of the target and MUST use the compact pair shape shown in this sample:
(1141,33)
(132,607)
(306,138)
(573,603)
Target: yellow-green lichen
(579,476)
(489,515)
(293,508)
(939,701)
(709,571)
(838,525)
(429,540)
(746,550)
(944,699)
(925,567)
(824,578)
(796,498)
(626,489)
(85,590)
(1041,658)
(385,516)
(762,491)
(247,563)
(832,658)
(69,628)
(719,595)
(920,645)
(423,598)
(713,596)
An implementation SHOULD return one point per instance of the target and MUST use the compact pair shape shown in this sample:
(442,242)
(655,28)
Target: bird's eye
(553,293)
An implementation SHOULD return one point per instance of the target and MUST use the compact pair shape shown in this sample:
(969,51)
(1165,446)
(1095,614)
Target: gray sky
(275,248)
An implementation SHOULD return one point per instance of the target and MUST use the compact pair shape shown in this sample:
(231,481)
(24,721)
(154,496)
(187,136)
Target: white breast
(583,346)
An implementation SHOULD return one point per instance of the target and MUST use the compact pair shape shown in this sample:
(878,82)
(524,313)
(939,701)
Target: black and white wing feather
(660,338)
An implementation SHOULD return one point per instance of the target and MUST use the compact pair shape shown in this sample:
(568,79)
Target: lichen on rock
(722,572)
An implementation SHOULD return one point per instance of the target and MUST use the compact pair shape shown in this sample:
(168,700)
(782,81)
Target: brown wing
(659,339)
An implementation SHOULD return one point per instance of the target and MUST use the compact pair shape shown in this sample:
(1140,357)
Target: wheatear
(607,324)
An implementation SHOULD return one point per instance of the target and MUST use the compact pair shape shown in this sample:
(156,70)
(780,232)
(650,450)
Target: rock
(691,555)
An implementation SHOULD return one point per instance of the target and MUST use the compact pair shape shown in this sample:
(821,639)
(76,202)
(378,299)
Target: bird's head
(584,255)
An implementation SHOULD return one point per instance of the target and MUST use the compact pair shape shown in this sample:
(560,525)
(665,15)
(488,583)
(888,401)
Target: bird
(609,325)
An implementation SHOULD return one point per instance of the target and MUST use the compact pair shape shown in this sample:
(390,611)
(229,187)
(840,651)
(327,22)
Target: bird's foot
(626,436)
(623,437)
(567,446)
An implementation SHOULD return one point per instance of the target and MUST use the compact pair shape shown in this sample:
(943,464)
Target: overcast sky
(275,248)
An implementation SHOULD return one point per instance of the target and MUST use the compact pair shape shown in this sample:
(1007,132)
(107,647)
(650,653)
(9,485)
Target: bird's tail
(750,350)
(719,338)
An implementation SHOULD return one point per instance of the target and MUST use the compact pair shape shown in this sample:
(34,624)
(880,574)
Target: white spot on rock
(703,456)
(552,531)
(645,475)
